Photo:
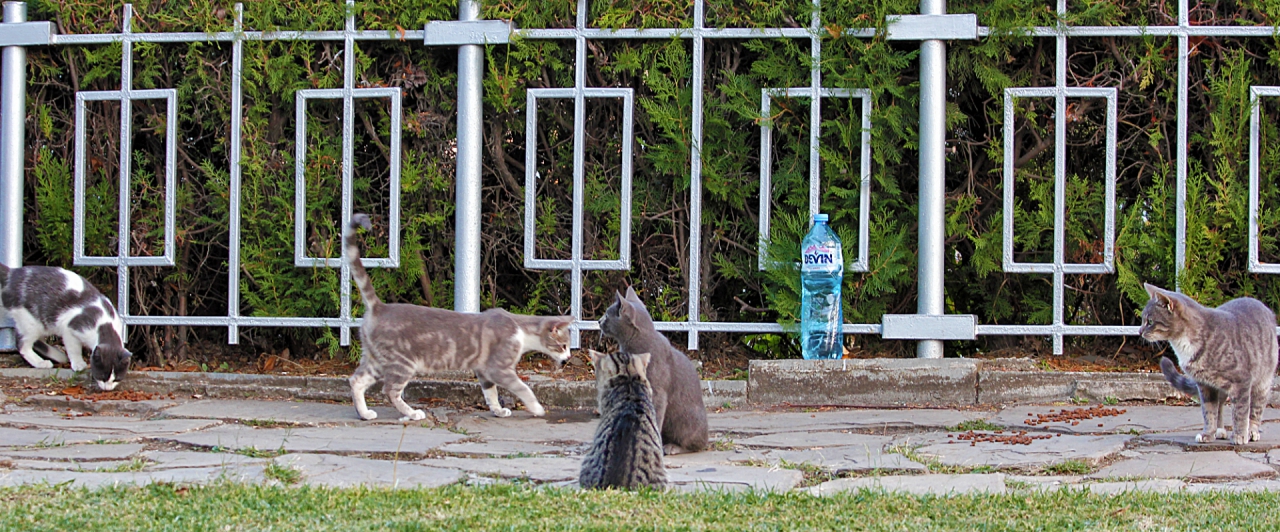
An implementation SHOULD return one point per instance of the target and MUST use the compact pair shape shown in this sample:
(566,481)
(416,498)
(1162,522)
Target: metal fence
(932,28)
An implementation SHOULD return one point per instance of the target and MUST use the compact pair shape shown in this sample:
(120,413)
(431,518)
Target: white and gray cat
(1226,352)
(46,301)
(626,451)
(677,390)
(401,340)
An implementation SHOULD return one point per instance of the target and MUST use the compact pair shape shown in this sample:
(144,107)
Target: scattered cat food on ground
(78,392)
(1073,415)
(1017,438)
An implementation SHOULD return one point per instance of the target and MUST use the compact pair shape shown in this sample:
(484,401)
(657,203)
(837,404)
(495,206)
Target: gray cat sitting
(401,340)
(677,390)
(1226,352)
(47,301)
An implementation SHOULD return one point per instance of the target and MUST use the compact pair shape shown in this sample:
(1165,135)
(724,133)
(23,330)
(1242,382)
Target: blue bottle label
(821,258)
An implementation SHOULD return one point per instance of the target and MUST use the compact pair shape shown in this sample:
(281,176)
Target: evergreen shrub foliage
(1143,69)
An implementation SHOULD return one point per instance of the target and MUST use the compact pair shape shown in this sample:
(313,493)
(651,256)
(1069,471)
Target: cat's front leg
(394,386)
(360,381)
(490,391)
(74,347)
(1211,400)
(511,381)
(1240,410)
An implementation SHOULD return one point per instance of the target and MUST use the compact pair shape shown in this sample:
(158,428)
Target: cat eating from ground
(626,451)
(47,301)
(402,340)
(1225,352)
(677,390)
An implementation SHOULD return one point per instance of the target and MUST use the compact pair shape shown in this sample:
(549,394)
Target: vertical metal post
(13,115)
(466,265)
(933,138)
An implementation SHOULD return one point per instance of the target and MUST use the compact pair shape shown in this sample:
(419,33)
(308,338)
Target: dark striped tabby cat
(626,451)
(677,390)
(1226,352)
(401,340)
(45,301)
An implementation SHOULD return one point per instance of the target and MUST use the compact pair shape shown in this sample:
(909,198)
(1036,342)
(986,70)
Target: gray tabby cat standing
(1226,352)
(677,391)
(401,340)
(626,451)
(46,301)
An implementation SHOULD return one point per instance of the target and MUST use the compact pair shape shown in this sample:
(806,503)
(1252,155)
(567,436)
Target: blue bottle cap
(820,217)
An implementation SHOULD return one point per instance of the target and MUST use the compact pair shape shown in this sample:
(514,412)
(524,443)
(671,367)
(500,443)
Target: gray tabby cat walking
(47,301)
(1226,352)
(677,390)
(626,451)
(401,340)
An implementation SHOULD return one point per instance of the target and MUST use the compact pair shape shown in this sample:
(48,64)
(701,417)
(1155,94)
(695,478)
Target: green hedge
(660,71)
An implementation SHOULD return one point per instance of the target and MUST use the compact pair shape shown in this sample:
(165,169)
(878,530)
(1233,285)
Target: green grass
(975,424)
(508,506)
(1069,467)
(282,473)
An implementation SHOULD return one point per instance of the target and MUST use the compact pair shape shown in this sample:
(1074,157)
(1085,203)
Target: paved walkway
(824,451)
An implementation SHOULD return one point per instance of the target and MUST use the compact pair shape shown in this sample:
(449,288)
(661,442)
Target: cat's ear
(631,294)
(594,356)
(1163,298)
(640,362)
(1152,290)
(563,323)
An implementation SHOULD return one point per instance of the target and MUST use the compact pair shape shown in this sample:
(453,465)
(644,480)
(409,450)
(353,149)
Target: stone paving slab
(144,408)
(121,425)
(78,452)
(184,459)
(540,468)
(251,475)
(504,448)
(35,437)
(99,466)
(1209,465)
(281,412)
(992,483)
(1074,482)
(371,439)
(1038,454)
(733,478)
(811,440)
(843,459)
(1187,441)
(347,471)
(1142,419)
(757,422)
(1244,486)
(558,426)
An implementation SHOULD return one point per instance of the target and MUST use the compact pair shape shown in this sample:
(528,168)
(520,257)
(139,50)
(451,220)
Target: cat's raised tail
(351,241)
(1179,381)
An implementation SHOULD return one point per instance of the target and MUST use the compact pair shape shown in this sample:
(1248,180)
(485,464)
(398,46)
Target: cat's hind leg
(49,352)
(1241,410)
(1211,400)
(490,390)
(364,377)
(29,354)
(1261,396)
(29,332)
(393,384)
(511,381)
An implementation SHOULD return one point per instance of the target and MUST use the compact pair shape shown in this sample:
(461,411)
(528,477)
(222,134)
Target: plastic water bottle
(821,274)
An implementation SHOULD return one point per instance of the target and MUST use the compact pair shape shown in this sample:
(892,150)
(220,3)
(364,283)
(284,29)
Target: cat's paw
(1255,435)
(415,415)
(1220,434)
(367,415)
(1204,438)
(671,448)
(501,412)
(41,363)
(1239,438)
(536,410)
(78,365)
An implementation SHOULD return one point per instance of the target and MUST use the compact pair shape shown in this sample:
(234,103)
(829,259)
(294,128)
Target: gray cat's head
(625,316)
(108,364)
(1166,315)
(554,338)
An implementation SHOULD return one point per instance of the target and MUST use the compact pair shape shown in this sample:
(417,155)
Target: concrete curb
(861,382)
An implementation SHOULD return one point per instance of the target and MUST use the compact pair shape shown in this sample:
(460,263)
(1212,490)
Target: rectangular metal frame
(815,167)
(1255,116)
